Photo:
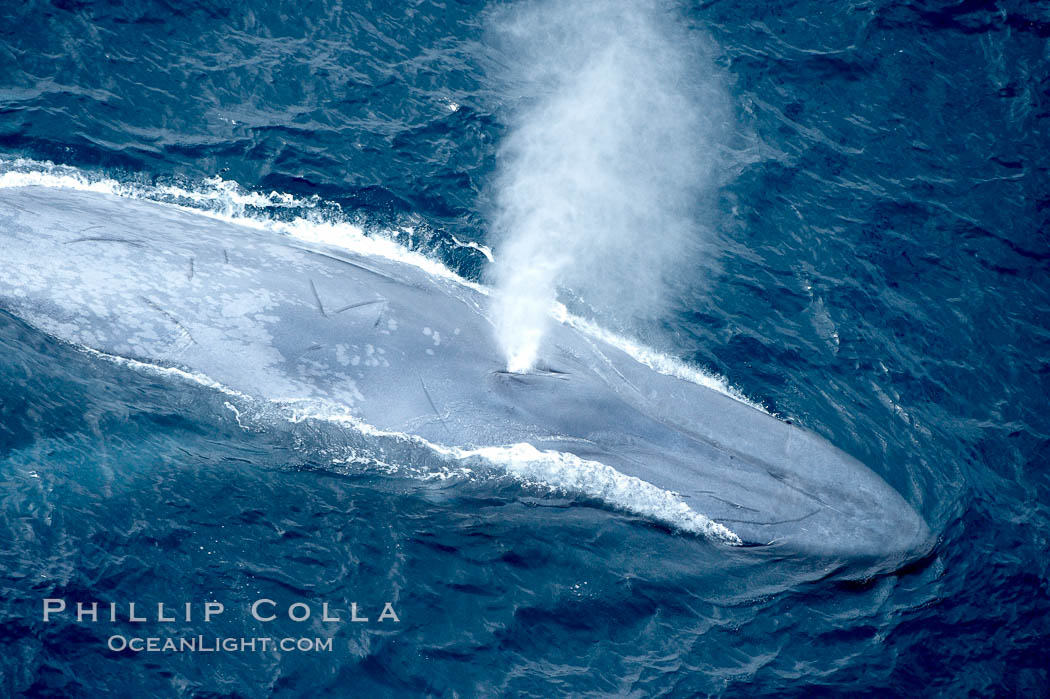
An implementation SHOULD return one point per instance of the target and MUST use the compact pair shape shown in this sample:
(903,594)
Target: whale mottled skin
(410,351)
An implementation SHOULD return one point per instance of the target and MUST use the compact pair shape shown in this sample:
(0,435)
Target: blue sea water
(880,274)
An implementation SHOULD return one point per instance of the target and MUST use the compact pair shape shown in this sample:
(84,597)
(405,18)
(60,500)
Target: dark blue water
(880,273)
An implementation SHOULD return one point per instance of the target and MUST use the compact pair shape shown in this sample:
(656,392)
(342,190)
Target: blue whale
(404,348)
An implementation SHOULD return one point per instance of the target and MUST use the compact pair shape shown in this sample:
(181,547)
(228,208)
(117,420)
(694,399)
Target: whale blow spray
(610,146)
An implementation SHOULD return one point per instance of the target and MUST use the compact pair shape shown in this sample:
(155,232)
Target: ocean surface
(876,269)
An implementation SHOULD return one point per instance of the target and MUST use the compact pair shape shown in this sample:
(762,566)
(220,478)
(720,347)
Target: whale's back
(405,350)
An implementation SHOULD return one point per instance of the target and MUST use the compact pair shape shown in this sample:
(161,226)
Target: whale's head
(821,503)
(770,482)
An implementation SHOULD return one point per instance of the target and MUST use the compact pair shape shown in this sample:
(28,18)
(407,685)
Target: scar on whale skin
(107,239)
(312,348)
(320,306)
(358,265)
(433,407)
(170,317)
(360,304)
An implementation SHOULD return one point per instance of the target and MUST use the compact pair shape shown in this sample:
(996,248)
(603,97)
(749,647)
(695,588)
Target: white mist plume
(599,177)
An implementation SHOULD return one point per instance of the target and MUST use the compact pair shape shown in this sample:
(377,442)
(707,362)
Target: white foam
(483,249)
(657,361)
(229,202)
(547,468)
